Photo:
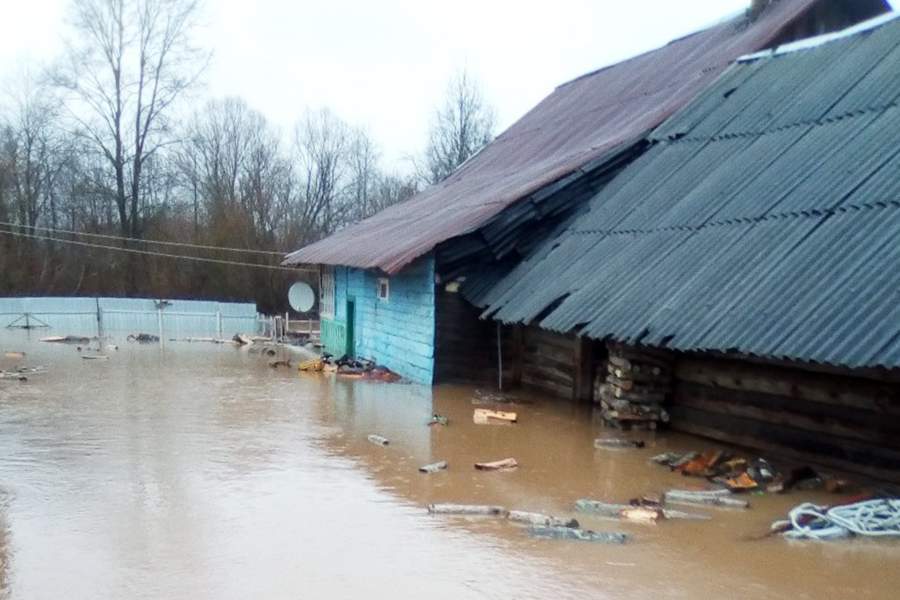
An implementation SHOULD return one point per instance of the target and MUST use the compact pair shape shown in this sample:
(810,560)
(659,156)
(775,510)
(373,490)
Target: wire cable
(202,259)
(131,239)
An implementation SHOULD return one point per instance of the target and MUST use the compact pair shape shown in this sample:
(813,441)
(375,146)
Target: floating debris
(66,339)
(582,535)
(437,419)
(314,365)
(483,397)
(484,416)
(621,511)
(244,340)
(736,474)
(709,498)
(868,518)
(507,464)
(617,443)
(434,467)
(279,363)
(642,514)
(378,440)
(95,357)
(22,373)
(602,509)
(480,510)
(539,519)
(14,355)
(143,338)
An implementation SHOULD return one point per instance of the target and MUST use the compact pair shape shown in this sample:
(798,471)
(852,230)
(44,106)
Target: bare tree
(129,62)
(321,145)
(32,145)
(459,129)
(362,157)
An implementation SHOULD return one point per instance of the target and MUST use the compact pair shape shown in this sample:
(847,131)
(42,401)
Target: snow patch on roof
(821,40)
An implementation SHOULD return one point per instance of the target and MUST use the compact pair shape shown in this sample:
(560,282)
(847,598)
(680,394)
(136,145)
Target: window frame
(384,283)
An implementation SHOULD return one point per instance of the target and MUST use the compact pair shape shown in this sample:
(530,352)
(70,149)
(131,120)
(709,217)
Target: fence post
(219,322)
(159,318)
(99,321)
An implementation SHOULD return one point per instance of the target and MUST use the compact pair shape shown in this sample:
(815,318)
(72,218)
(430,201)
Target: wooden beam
(583,388)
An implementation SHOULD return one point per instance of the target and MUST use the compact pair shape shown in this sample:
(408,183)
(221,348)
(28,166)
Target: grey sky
(384,64)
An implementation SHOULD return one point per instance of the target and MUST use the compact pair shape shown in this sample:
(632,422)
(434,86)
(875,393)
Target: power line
(157,254)
(131,239)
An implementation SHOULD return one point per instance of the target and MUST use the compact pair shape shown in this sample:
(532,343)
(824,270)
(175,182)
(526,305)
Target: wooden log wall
(548,361)
(840,420)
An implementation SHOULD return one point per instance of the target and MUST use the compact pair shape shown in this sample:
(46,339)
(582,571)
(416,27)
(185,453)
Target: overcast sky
(384,64)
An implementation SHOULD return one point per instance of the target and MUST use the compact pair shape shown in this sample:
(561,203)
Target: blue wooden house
(390,284)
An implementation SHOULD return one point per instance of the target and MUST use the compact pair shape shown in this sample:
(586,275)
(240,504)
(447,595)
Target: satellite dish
(301,297)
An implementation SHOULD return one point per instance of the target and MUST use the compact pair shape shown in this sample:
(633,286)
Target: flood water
(196,471)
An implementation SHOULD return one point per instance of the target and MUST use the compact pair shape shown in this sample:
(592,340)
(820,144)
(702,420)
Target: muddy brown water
(196,471)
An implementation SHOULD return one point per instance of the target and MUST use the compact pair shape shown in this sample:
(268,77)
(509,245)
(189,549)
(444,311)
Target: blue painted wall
(398,332)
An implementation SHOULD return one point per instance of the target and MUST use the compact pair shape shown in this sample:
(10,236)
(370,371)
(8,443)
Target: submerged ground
(196,471)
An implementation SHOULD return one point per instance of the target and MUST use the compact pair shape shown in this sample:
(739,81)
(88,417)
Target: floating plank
(617,443)
(581,535)
(539,519)
(695,499)
(507,464)
(484,416)
(481,510)
(602,509)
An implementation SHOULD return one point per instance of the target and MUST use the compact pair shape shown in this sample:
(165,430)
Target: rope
(141,240)
(872,518)
(216,261)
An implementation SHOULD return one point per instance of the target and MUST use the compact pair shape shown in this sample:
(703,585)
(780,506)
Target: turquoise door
(351,328)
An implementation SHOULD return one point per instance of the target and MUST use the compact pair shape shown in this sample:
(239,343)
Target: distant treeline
(102,142)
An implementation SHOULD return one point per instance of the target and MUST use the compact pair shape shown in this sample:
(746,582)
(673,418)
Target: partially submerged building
(389,283)
(755,246)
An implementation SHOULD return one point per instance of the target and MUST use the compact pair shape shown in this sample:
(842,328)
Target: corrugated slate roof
(579,122)
(764,220)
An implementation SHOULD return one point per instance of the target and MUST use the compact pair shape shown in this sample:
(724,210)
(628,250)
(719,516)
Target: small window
(326,292)
(384,288)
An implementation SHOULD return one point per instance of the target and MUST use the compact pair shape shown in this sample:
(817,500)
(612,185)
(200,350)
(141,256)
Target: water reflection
(199,472)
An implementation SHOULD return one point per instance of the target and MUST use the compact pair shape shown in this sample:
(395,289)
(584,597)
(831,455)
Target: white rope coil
(872,518)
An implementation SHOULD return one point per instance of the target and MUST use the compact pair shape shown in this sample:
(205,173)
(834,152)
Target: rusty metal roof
(580,121)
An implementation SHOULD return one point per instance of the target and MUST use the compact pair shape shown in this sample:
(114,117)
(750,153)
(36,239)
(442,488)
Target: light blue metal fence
(94,316)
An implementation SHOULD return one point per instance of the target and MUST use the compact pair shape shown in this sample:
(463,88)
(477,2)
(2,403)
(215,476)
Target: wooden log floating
(617,443)
(378,440)
(581,535)
(477,510)
(434,467)
(507,464)
(693,499)
(539,519)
